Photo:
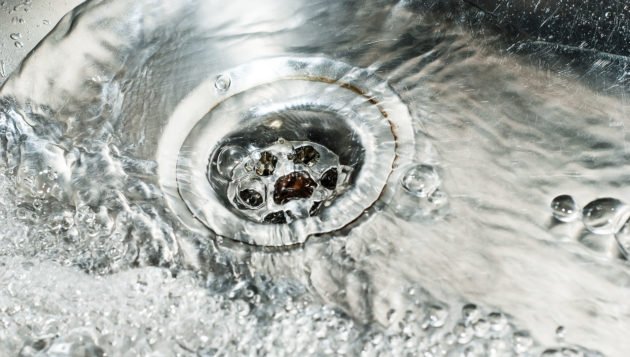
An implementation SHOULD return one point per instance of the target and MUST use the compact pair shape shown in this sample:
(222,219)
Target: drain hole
(293,186)
(275,218)
(306,155)
(282,182)
(267,164)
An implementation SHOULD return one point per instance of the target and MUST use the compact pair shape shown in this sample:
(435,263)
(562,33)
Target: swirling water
(95,262)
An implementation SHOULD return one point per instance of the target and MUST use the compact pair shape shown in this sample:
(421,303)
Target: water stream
(440,240)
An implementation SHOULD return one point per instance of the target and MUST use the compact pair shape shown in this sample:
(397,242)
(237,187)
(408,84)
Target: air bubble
(564,208)
(437,316)
(228,158)
(420,180)
(605,215)
(522,342)
(470,313)
(223,82)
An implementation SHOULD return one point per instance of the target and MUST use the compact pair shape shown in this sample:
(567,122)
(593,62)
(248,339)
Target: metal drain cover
(276,150)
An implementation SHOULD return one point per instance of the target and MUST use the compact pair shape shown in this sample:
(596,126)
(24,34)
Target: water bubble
(560,332)
(605,215)
(623,239)
(463,333)
(498,321)
(420,180)
(522,341)
(470,313)
(564,208)
(437,315)
(481,328)
(228,158)
(223,82)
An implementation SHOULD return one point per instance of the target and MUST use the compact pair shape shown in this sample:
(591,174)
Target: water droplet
(18,44)
(228,158)
(605,215)
(623,239)
(498,321)
(15,36)
(564,208)
(560,332)
(46,22)
(463,333)
(481,328)
(607,14)
(420,180)
(223,82)
(3,72)
(470,313)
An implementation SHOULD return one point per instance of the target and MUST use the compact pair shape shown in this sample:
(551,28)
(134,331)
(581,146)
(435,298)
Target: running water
(456,251)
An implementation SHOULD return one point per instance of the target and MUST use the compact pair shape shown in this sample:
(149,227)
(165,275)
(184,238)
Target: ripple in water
(454,262)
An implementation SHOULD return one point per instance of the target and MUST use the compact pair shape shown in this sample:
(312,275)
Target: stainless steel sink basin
(200,178)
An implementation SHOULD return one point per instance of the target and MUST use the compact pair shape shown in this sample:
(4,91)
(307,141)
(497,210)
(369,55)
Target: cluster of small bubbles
(147,311)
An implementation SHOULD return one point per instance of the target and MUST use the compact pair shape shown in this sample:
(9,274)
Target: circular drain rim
(206,97)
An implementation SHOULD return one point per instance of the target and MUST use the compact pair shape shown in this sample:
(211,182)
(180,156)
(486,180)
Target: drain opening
(291,147)
(280,183)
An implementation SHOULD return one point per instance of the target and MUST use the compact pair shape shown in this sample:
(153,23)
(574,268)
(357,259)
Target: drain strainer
(277,150)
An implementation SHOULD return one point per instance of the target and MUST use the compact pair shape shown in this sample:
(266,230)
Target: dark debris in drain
(251,198)
(295,185)
(275,218)
(267,164)
(329,178)
(306,155)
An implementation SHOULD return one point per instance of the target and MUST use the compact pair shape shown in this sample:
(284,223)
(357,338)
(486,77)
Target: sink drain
(280,149)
